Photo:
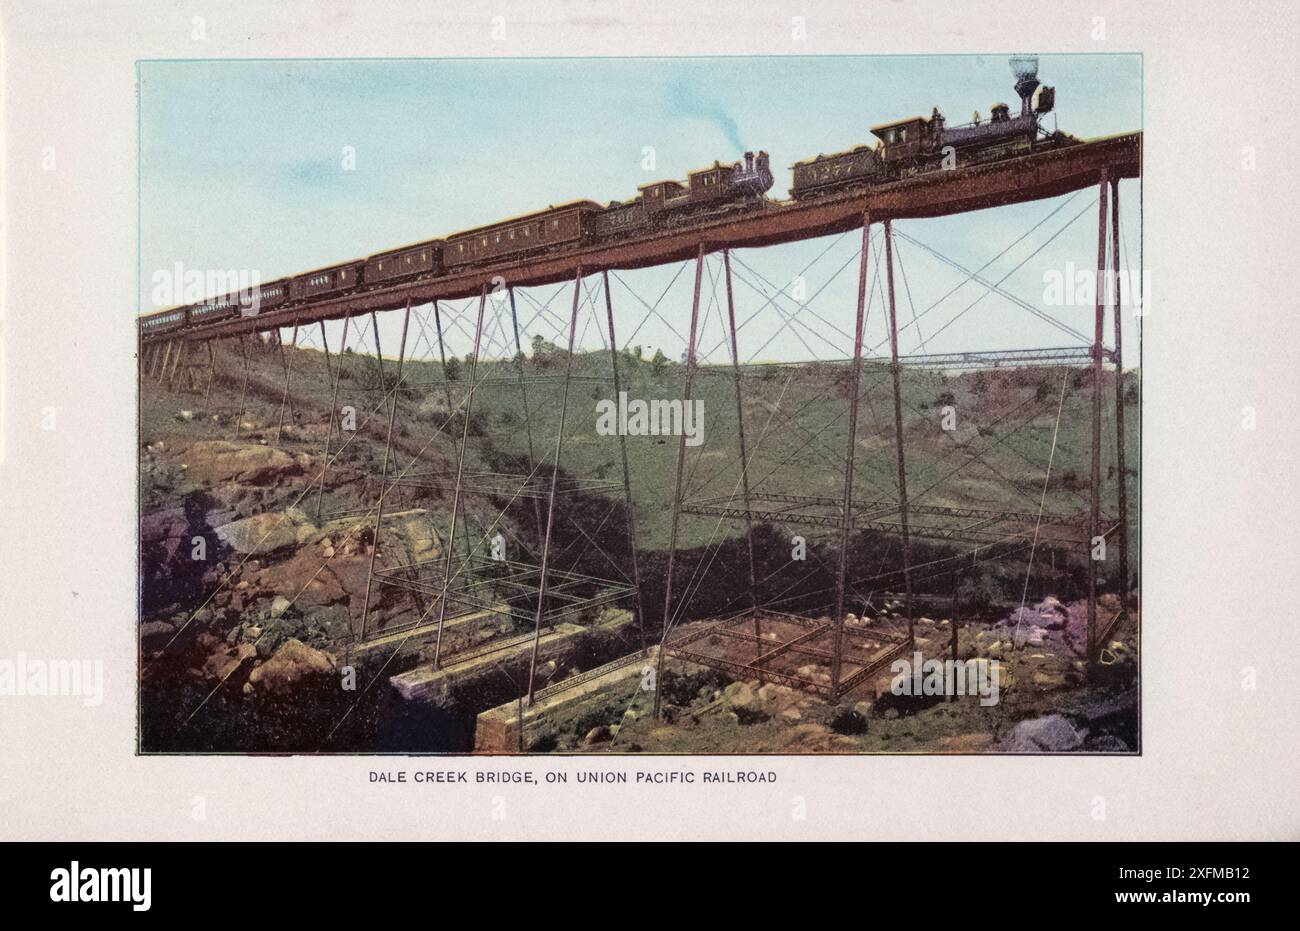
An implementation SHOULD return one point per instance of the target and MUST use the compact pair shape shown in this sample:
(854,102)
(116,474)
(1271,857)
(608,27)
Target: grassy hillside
(795,422)
(796,425)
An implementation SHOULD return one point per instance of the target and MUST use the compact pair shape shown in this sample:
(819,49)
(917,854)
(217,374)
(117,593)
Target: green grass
(796,425)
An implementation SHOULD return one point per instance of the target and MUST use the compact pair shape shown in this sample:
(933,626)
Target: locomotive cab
(656,196)
(709,184)
(903,139)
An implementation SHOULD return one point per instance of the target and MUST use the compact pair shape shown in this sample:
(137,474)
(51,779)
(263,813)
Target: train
(903,149)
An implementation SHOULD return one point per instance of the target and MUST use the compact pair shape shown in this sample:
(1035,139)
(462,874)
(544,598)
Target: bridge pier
(288,374)
(898,432)
(243,391)
(334,400)
(446,382)
(744,457)
(523,401)
(555,476)
(181,352)
(383,471)
(677,487)
(460,471)
(379,352)
(1119,400)
(212,370)
(1094,521)
(622,447)
(846,512)
(166,358)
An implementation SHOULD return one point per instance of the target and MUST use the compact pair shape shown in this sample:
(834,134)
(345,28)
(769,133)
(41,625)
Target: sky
(278,167)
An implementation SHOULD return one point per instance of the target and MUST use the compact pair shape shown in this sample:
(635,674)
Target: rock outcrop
(294,664)
(217,462)
(267,533)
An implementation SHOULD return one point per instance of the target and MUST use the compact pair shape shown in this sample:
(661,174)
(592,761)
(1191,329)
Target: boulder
(292,665)
(221,461)
(738,695)
(279,605)
(602,733)
(1051,734)
(1049,680)
(1051,606)
(265,533)
(225,661)
(309,580)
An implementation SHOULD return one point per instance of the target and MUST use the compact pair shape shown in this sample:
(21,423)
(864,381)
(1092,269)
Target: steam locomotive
(904,148)
(921,144)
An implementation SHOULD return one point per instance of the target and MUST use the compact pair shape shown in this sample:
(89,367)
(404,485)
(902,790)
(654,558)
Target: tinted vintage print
(614,406)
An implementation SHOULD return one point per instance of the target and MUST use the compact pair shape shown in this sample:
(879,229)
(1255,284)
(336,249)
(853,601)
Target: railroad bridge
(935,194)
(768,643)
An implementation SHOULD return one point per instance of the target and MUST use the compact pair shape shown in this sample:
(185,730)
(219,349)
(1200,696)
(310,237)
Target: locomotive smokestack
(1025,69)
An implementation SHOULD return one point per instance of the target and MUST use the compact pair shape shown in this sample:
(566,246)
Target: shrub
(848,721)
